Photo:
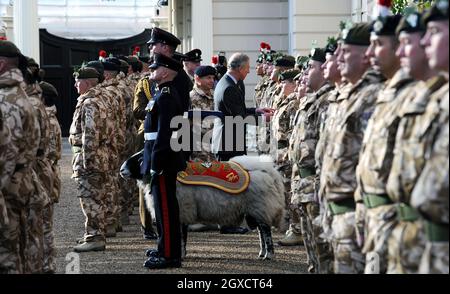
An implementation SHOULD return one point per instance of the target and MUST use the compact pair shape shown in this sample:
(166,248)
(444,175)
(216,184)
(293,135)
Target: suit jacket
(229,98)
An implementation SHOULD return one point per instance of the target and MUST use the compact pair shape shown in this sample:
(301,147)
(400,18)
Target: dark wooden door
(59,56)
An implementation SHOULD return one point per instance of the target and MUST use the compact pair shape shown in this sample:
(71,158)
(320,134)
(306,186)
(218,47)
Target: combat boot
(94,245)
(291,239)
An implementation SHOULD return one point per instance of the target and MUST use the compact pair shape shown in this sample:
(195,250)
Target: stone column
(26,27)
(202,28)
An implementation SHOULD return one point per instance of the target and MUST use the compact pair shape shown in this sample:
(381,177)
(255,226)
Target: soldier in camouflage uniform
(303,144)
(332,74)
(43,174)
(375,213)
(202,98)
(342,154)
(430,195)
(88,138)
(281,126)
(49,95)
(416,182)
(25,135)
(273,93)
(261,85)
(113,90)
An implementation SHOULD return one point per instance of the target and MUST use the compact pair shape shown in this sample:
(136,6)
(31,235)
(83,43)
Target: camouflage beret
(48,90)
(9,49)
(86,73)
(386,26)
(439,11)
(358,34)
(318,54)
(289,74)
(285,61)
(411,23)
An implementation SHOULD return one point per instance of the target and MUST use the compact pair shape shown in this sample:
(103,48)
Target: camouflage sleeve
(90,135)
(430,194)
(141,100)
(45,129)
(8,153)
(32,132)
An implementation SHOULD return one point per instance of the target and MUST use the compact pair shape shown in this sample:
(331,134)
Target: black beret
(205,70)
(411,23)
(167,62)
(285,61)
(439,11)
(97,65)
(9,49)
(112,64)
(358,34)
(132,60)
(289,74)
(386,26)
(318,54)
(48,90)
(32,62)
(161,36)
(332,44)
(194,55)
(86,73)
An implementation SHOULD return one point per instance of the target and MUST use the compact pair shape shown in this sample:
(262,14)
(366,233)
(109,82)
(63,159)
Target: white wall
(241,26)
(315,21)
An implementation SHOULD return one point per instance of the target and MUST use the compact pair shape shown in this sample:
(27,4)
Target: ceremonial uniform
(162,164)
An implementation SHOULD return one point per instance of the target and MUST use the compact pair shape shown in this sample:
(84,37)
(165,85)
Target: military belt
(343,206)
(436,232)
(406,213)
(76,149)
(374,201)
(307,172)
(150,136)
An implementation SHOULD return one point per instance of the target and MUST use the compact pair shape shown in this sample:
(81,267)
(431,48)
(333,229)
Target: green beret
(386,26)
(411,23)
(48,90)
(358,34)
(318,54)
(285,61)
(439,11)
(86,73)
(9,49)
(289,74)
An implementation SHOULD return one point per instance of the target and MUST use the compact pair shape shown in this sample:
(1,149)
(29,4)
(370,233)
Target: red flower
(215,59)
(3,38)
(265,46)
(103,54)
(385,3)
(137,49)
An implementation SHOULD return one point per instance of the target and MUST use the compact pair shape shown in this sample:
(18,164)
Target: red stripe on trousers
(165,216)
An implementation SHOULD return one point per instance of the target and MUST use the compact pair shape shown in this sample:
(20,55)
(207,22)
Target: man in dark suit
(229,98)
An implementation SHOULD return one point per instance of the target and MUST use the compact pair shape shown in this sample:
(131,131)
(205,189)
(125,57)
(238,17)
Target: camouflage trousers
(34,261)
(127,189)
(285,170)
(435,258)
(406,245)
(13,237)
(379,223)
(56,188)
(12,241)
(49,265)
(91,191)
(348,258)
(112,200)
